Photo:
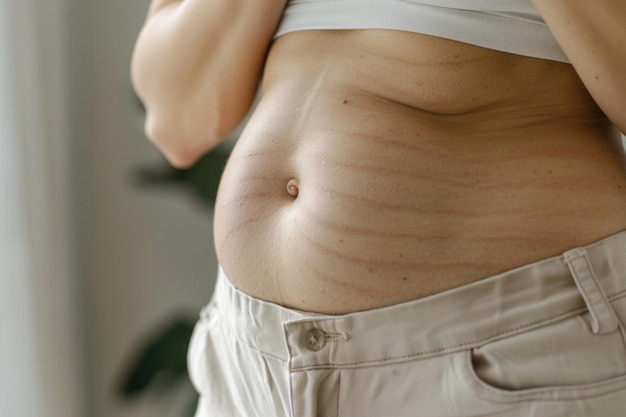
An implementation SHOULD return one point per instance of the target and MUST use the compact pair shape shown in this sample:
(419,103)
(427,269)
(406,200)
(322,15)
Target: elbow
(180,145)
(180,158)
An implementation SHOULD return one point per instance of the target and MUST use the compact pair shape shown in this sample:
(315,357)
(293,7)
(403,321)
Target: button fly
(315,339)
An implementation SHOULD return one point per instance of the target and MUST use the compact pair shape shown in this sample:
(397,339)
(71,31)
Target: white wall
(18,357)
(40,355)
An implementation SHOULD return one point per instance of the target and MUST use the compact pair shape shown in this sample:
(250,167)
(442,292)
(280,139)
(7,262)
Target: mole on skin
(292,187)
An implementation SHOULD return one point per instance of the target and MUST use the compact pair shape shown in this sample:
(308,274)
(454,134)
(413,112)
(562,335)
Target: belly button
(292,187)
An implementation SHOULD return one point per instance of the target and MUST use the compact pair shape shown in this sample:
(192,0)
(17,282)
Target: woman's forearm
(593,35)
(158,5)
(196,67)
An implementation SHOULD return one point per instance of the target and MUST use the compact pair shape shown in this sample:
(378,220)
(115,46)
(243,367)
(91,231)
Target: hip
(543,339)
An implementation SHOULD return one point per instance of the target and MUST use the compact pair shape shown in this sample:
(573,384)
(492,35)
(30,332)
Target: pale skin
(196,66)
(384,166)
(593,35)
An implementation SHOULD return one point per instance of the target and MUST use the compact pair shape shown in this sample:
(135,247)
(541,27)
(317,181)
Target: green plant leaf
(162,357)
(202,179)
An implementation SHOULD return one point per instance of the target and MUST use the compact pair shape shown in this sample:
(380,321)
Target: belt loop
(603,318)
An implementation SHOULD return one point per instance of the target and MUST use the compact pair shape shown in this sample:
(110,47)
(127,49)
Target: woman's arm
(592,34)
(196,67)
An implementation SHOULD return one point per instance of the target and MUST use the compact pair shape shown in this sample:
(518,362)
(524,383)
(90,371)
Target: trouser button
(315,339)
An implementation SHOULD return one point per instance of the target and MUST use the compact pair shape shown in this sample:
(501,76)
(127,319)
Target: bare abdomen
(339,197)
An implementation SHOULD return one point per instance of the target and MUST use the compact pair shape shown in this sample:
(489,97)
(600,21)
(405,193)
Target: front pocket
(554,361)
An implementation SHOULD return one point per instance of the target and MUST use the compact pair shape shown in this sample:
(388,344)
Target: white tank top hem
(512,26)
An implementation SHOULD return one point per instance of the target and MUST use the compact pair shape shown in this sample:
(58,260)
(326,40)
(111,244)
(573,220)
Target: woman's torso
(422,164)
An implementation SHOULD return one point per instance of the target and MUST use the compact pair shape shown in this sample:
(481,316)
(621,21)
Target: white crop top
(512,26)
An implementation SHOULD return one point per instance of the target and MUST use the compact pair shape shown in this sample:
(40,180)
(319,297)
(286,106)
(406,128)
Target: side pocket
(557,360)
(565,353)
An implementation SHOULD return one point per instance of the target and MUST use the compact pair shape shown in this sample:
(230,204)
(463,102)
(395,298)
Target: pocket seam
(552,392)
(484,390)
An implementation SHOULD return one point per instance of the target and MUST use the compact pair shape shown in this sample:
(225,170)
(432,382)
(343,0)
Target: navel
(293,187)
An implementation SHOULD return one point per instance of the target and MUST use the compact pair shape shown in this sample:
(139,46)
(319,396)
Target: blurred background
(102,247)
(106,254)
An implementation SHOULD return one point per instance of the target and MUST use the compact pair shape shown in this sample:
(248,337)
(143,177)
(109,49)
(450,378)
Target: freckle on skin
(345,101)
(292,187)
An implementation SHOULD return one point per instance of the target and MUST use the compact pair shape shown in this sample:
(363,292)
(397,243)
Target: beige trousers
(544,340)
